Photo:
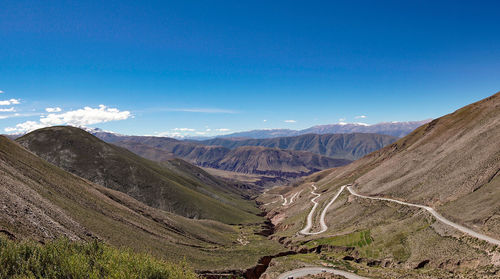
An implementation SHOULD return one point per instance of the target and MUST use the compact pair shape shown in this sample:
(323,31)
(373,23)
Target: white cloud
(1,91)
(80,117)
(169,134)
(265,120)
(18,115)
(342,121)
(9,102)
(222,130)
(362,124)
(290,121)
(184,129)
(56,109)
(8,110)
(202,110)
(25,127)
(360,116)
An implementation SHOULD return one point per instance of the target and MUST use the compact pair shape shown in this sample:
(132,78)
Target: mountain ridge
(396,129)
(251,160)
(339,146)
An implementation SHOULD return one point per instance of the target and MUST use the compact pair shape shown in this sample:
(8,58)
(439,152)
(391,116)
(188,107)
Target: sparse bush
(73,260)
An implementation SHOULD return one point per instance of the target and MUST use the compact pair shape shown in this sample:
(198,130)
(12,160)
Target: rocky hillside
(173,186)
(338,146)
(278,162)
(450,163)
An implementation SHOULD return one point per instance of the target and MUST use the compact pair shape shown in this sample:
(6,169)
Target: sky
(201,68)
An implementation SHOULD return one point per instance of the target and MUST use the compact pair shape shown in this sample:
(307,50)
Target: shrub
(66,259)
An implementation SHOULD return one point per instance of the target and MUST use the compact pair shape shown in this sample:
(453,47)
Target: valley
(249,140)
(43,202)
(225,223)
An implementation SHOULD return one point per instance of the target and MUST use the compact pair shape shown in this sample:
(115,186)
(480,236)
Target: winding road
(438,217)
(317,270)
(297,273)
(432,211)
(285,200)
(306,230)
(294,196)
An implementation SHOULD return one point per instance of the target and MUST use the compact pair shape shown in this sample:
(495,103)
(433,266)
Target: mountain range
(245,159)
(396,129)
(283,158)
(339,146)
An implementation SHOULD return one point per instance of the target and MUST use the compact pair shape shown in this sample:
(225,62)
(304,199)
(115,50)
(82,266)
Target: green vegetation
(65,259)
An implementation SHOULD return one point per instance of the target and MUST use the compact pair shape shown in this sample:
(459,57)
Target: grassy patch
(65,259)
(355,239)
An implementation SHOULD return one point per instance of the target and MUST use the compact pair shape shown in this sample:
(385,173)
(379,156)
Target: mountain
(249,160)
(278,162)
(338,146)
(41,201)
(173,186)
(396,129)
(451,164)
(444,164)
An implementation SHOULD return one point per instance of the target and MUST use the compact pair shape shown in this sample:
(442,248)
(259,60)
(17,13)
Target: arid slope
(451,164)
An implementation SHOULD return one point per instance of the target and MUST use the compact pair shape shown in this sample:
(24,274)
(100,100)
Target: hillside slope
(41,201)
(442,164)
(173,186)
(451,164)
(338,146)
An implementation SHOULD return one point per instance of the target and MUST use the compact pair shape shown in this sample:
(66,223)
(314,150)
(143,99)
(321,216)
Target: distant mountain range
(396,129)
(284,158)
(339,146)
(244,159)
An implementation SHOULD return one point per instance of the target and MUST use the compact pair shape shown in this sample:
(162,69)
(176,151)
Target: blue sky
(211,67)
